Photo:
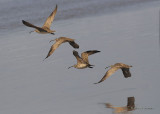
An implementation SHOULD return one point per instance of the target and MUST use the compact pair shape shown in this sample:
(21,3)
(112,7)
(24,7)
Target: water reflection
(125,109)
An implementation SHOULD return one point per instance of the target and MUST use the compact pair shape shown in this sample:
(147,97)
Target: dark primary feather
(31,25)
(126,72)
(85,54)
(90,52)
(79,59)
(73,44)
(75,53)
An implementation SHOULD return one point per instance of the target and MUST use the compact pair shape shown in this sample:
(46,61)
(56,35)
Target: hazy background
(123,30)
(36,11)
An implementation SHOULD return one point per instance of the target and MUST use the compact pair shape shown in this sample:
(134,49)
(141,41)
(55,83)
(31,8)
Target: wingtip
(23,21)
(96,51)
(46,57)
(56,7)
(77,47)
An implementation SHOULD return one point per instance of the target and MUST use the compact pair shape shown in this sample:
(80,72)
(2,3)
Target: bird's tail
(90,66)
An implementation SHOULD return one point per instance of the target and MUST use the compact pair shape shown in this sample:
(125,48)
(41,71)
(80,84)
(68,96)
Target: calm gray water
(36,11)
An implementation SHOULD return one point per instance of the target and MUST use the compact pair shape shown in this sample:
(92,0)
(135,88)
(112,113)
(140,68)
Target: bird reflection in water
(125,109)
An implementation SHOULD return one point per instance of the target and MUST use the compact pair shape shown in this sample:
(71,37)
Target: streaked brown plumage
(59,41)
(130,106)
(83,62)
(46,27)
(114,68)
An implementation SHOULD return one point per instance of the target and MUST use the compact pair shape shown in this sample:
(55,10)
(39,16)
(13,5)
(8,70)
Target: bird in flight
(58,42)
(83,62)
(46,27)
(114,68)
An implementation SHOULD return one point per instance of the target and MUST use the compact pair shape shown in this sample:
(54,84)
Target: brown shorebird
(130,106)
(46,27)
(83,62)
(58,42)
(114,68)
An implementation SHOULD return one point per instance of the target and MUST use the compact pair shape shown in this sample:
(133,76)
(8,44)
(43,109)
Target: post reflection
(124,109)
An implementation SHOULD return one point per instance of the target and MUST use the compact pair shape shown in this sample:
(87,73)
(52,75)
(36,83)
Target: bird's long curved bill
(107,67)
(52,40)
(70,67)
(31,32)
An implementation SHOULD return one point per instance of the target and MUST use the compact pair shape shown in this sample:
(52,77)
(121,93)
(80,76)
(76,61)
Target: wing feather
(108,74)
(53,48)
(73,44)
(50,19)
(126,72)
(31,25)
(85,54)
(79,59)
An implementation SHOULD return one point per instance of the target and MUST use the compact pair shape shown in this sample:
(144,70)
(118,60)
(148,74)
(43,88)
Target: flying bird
(58,42)
(129,107)
(46,27)
(83,62)
(114,68)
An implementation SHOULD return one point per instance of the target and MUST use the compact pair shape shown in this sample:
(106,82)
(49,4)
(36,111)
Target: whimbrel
(59,41)
(46,27)
(114,68)
(117,110)
(83,62)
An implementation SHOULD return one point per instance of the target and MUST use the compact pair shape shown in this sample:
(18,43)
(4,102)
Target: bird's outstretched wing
(126,72)
(30,25)
(50,19)
(53,48)
(79,59)
(70,41)
(108,73)
(85,54)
